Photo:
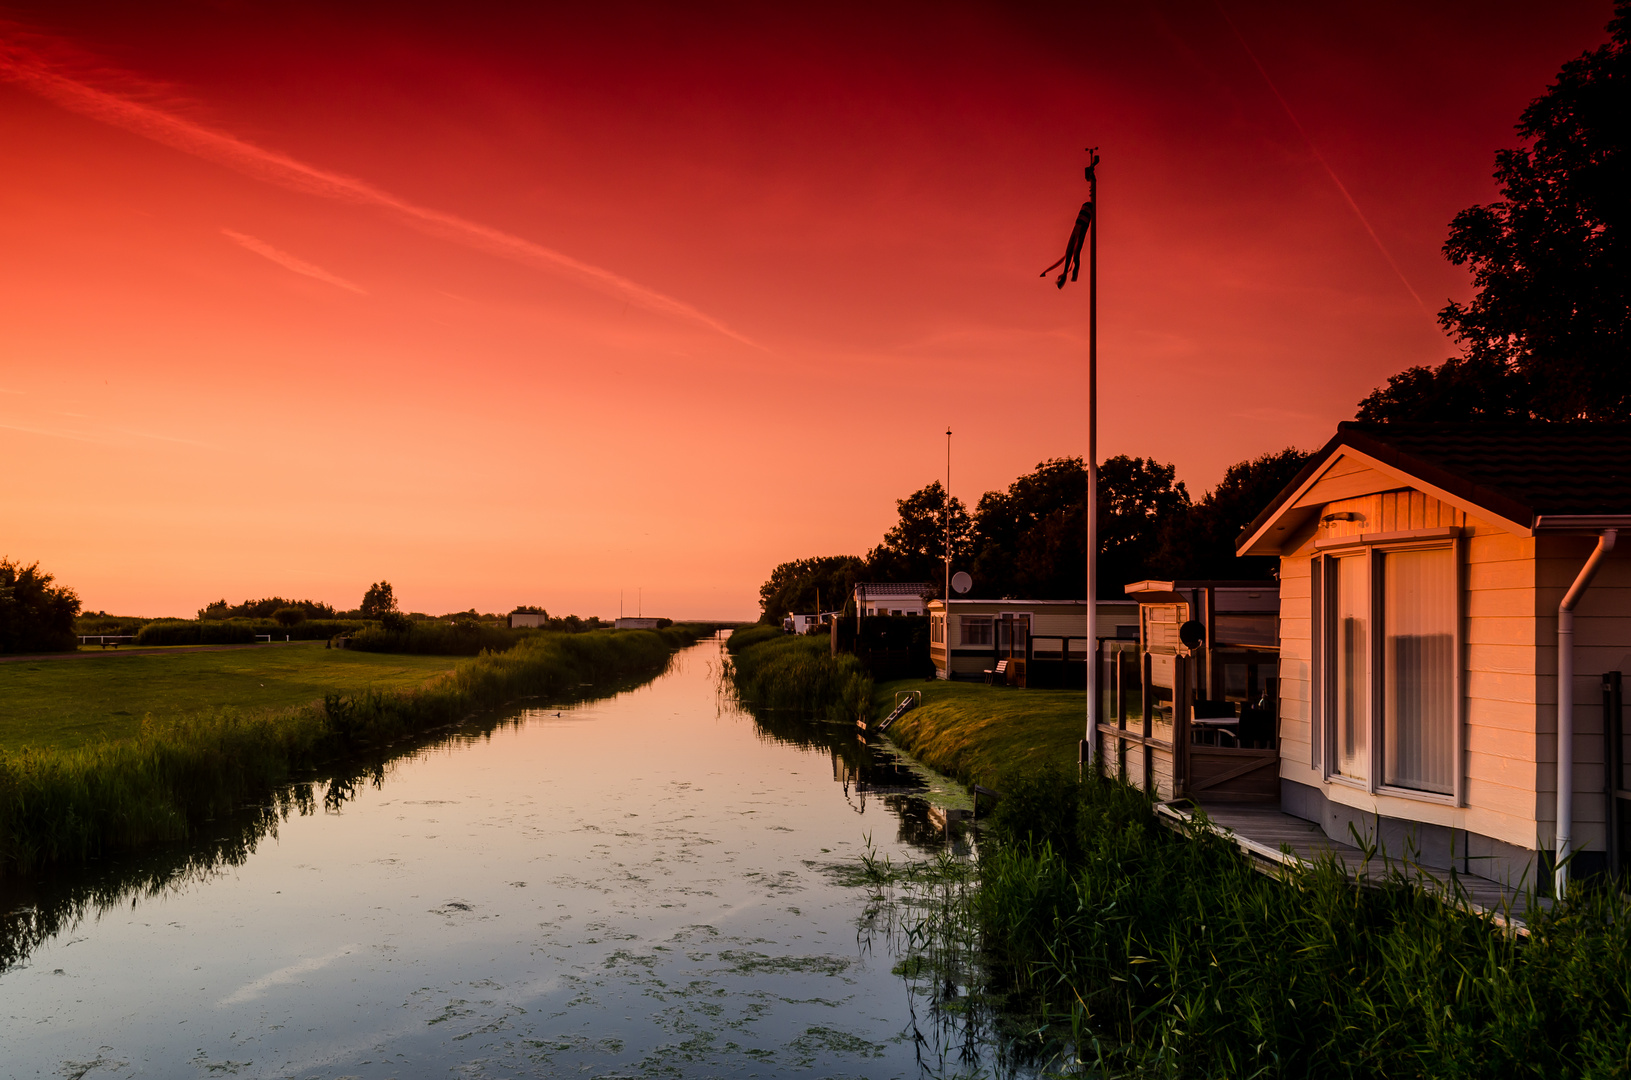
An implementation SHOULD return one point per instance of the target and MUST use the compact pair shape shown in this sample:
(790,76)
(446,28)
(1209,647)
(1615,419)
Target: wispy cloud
(26,67)
(289,262)
(1326,165)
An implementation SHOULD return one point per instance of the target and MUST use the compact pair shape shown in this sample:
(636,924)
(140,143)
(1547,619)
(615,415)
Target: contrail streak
(1332,173)
(23,66)
(289,262)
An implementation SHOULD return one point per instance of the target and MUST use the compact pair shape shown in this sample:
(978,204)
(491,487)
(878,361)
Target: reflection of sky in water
(633,888)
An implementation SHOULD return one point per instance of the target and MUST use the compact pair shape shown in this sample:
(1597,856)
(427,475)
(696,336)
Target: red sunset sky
(530,306)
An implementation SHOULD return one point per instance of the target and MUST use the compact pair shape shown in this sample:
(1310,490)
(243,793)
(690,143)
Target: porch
(1273,838)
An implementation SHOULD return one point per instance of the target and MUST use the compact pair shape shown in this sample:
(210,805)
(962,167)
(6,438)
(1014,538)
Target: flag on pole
(1073,247)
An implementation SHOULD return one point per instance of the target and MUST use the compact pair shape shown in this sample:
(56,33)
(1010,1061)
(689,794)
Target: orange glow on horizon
(531,308)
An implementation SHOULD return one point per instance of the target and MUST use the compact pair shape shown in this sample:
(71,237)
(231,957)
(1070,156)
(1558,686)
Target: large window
(1389,663)
(976,629)
(1418,669)
(1350,653)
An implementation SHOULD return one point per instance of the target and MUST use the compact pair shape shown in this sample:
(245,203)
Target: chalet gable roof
(1523,477)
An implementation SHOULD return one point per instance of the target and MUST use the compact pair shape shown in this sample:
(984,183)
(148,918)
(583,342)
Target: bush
(35,616)
(395,622)
(289,616)
(196,632)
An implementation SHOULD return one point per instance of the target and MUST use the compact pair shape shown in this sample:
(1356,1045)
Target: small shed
(533,619)
(635,622)
(892,597)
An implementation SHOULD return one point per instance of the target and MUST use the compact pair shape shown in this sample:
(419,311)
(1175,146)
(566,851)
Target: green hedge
(238,631)
(439,639)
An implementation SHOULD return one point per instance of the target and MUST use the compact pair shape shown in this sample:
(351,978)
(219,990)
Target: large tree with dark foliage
(915,548)
(35,615)
(379,599)
(794,586)
(1031,540)
(1199,541)
(1548,334)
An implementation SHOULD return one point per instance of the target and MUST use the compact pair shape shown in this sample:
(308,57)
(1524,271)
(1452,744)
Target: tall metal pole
(947,516)
(1092,465)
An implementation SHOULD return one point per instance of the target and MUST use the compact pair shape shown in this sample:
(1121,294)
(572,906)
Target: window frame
(1323,712)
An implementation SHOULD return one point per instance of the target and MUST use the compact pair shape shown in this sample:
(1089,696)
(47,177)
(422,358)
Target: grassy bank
(61,704)
(66,805)
(970,730)
(1173,957)
(797,673)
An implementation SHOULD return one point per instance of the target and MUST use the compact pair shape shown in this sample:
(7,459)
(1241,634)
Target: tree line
(1030,540)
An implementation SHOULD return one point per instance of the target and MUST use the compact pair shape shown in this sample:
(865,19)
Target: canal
(651,884)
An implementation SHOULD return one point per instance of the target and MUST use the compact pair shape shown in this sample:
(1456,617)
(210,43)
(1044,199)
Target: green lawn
(70,702)
(976,732)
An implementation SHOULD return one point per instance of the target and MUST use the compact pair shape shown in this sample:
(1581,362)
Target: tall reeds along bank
(797,673)
(65,807)
(1172,957)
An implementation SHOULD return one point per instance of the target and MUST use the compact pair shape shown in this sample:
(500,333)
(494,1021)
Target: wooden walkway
(1274,838)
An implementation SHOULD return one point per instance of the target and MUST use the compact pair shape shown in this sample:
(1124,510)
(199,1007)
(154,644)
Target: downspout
(1565,707)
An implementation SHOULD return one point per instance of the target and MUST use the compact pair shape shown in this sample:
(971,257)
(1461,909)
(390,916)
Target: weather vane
(1084,219)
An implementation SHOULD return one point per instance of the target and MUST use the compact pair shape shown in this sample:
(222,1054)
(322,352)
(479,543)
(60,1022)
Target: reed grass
(1171,956)
(66,806)
(797,673)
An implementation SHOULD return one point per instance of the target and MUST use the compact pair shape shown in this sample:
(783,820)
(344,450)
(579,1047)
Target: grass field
(73,702)
(973,731)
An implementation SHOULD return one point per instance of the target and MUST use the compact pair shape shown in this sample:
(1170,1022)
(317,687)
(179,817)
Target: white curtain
(1350,652)
(1418,621)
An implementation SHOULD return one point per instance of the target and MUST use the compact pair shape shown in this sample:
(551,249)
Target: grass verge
(62,704)
(65,806)
(972,731)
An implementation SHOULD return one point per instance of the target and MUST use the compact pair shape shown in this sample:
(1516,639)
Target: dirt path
(169,651)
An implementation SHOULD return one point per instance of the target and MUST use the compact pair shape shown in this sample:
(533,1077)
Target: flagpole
(947,516)
(1086,757)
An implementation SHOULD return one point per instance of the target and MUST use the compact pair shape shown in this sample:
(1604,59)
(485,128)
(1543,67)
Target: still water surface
(636,886)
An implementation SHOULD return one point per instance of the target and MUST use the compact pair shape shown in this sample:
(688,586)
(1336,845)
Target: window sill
(1418,796)
(1348,782)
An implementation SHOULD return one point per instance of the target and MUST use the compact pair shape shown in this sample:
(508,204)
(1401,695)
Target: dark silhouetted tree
(1548,334)
(379,599)
(1200,542)
(35,615)
(793,586)
(1031,540)
(914,550)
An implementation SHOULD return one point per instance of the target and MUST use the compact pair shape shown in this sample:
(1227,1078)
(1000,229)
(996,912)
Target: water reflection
(648,884)
(38,908)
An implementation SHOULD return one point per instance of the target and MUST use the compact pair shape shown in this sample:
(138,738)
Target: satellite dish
(1192,633)
(961,583)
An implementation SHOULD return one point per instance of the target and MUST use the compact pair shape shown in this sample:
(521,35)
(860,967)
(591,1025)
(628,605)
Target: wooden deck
(1274,839)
